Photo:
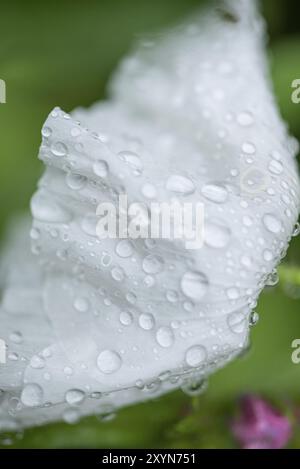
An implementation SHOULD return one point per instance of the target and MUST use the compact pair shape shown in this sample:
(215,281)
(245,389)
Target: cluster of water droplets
(116,320)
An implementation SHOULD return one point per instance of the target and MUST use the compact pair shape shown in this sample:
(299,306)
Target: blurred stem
(289,274)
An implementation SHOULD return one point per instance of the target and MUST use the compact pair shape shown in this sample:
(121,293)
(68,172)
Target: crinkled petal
(191,117)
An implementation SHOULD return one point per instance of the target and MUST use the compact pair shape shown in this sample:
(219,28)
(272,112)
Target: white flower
(94,324)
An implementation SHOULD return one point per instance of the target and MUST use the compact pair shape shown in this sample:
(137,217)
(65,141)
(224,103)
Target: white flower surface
(92,325)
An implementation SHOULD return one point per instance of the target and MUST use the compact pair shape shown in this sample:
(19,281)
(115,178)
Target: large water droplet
(109,361)
(32,395)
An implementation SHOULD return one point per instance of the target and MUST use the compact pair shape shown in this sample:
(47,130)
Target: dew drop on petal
(146,321)
(180,184)
(245,119)
(109,361)
(32,395)
(100,168)
(74,396)
(124,248)
(153,264)
(272,223)
(196,355)
(165,337)
(126,318)
(215,193)
(81,304)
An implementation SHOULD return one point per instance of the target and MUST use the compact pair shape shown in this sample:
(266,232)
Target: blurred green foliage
(62,53)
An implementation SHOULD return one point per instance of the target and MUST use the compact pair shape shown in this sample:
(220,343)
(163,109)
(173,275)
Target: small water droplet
(165,337)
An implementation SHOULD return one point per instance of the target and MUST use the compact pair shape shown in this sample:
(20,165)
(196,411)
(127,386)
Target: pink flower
(260,425)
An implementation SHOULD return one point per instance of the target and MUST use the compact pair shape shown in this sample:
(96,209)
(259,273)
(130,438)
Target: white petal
(192,117)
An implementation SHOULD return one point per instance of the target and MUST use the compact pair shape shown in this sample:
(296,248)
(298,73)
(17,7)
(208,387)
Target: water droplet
(196,355)
(254,318)
(81,304)
(146,321)
(74,396)
(296,231)
(233,293)
(100,168)
(194,285)
(46,131)
(124,248)
(109,361)
(272,223)
(273,278)
(180,184)
(118,274)
(215,193)
(76,181)
(153,264)
(275,167)
(126,318)
(32,395)
(165,337)
(248,148)
(216,234)
(245,119)
(37,362)
(132,159)
(268,255)
(59,149)
(194,386)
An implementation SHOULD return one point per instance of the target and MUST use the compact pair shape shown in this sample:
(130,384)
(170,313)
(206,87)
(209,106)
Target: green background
(62,53)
